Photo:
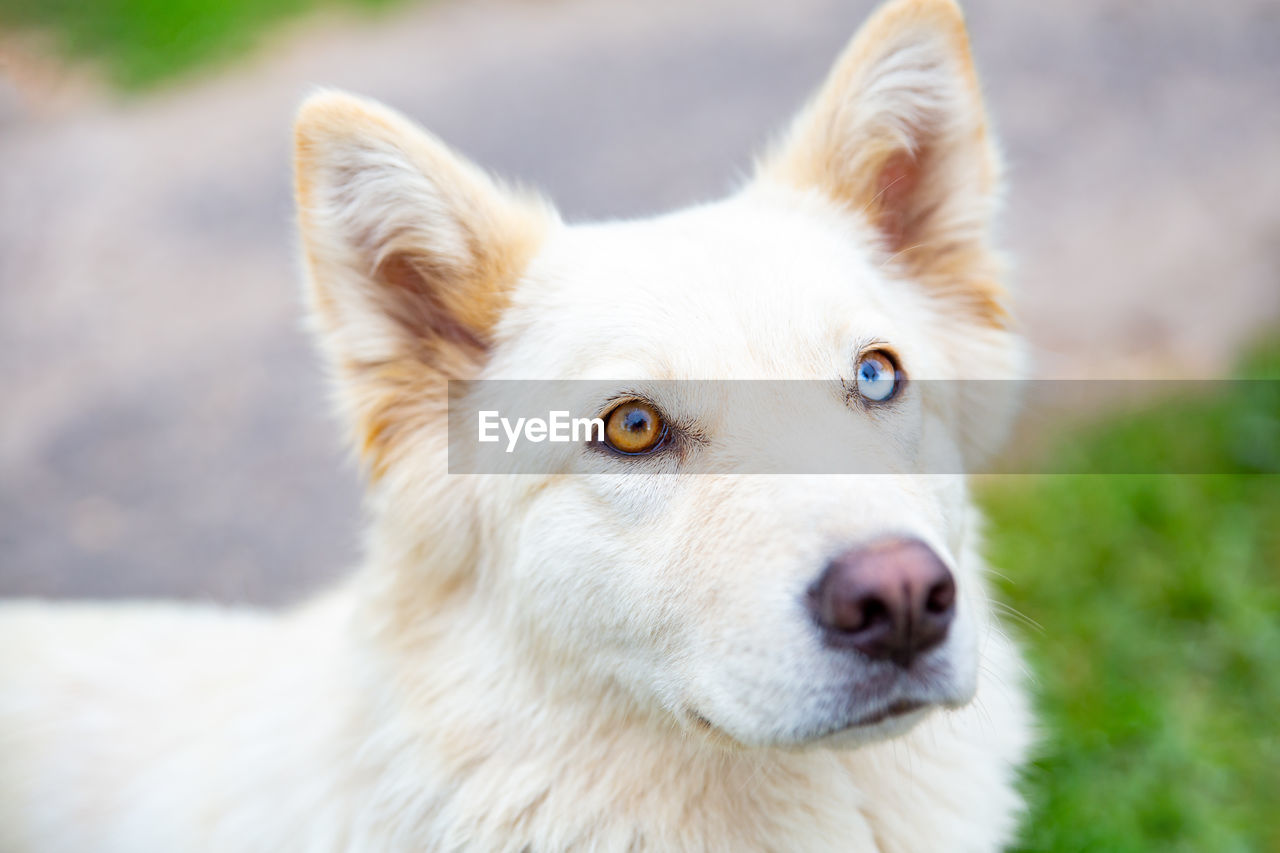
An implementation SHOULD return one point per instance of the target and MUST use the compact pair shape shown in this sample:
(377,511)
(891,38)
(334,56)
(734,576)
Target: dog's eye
(877,378)
(634,427)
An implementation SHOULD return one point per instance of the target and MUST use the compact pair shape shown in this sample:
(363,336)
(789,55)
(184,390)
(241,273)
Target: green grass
(1157,659)
(141,43)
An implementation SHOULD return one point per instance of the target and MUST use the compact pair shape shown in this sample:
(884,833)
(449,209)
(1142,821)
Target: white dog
(618,654)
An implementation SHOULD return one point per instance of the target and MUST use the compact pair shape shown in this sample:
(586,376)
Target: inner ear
(413,286)
(896,185)
(413,251)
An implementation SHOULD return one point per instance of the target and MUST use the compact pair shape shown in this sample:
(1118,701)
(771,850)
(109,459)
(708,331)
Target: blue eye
(877,379)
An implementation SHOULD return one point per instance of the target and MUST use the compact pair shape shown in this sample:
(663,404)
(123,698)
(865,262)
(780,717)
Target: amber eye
(634,427)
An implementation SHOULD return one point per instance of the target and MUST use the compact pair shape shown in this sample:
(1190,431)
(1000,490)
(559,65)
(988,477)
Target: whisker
(996,573)
(1019,616)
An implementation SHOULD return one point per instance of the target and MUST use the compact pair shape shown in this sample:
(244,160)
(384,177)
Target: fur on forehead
(770,283)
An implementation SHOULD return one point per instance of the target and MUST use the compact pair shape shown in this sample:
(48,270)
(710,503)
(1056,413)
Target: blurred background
(166,432)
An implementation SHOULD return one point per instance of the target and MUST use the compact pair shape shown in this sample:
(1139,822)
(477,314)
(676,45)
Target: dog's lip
(867,723)
(894,709)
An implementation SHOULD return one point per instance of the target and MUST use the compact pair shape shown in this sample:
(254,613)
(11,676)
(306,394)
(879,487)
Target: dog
(614,653)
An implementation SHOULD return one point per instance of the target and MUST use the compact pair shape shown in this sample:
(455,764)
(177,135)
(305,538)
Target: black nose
(890,600)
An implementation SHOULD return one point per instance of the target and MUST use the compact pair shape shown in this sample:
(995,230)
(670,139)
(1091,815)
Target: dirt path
(166,432)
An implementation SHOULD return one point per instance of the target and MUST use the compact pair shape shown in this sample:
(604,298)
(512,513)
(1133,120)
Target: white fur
(602,658)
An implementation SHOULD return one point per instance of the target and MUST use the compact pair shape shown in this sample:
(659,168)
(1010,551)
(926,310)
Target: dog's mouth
(895,709)
(887,715)
(885,721)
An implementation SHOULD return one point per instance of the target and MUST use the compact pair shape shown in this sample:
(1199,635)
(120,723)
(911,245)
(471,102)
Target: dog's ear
(898,134)
(412,252)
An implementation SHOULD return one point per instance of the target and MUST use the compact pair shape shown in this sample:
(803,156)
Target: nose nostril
(941,597)
(871,612)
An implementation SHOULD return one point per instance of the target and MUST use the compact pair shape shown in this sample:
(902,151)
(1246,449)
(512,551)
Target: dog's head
(768,609)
